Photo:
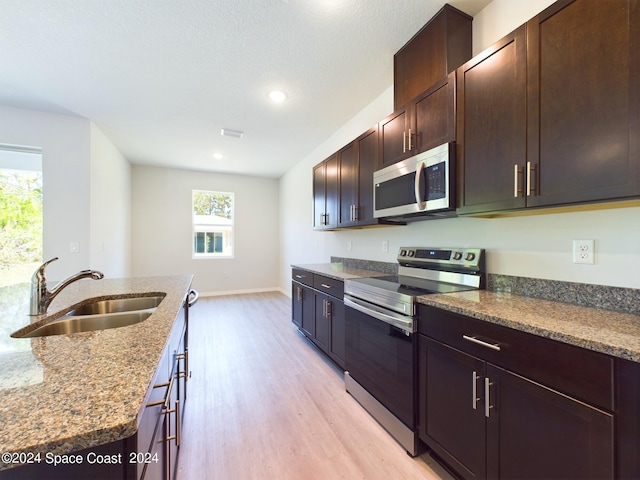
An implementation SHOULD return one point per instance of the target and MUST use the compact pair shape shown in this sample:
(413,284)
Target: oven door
(380,355)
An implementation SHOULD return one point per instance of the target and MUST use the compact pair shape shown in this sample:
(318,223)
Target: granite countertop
(605,331)
(65,393)
(601,330)
(338,271)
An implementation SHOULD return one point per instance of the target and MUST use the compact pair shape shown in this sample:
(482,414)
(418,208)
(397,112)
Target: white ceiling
(161,77)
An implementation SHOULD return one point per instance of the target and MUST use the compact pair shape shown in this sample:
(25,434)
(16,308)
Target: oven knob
(403,253)
(411,253)
(470,256)
(457,255)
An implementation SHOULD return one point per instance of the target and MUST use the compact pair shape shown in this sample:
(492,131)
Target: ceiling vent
(226,132)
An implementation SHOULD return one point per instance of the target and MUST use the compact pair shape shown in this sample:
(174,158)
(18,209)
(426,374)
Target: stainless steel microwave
(418,186)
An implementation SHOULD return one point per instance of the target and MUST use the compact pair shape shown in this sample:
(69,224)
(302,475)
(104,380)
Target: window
(212,224)
(20,214)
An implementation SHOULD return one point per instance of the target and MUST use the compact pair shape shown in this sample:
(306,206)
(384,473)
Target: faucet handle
(39,273)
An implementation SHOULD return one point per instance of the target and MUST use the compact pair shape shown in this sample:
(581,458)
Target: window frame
(197,226)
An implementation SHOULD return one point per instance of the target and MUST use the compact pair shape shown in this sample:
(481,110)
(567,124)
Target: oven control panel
(462,257)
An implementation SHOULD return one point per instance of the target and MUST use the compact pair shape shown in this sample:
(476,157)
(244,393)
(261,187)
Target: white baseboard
(240,292)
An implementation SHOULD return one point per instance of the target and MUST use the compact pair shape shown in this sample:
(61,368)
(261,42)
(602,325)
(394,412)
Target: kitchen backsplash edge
(620,299)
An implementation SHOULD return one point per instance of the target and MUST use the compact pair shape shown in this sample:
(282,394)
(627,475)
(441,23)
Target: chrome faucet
(41,297)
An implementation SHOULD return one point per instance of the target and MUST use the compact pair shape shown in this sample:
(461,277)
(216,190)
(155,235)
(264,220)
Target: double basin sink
(96,314)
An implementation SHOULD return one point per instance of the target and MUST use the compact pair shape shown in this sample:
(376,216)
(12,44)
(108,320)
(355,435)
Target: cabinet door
(348,157)
(367,165)
(307,322)
(534,432)
(491,127)
(433,115)
(296,304)
(451,417)
(331,192)
(393,143)
(438,48)
(319,196)
(321,336)
(336,350)
(584,101)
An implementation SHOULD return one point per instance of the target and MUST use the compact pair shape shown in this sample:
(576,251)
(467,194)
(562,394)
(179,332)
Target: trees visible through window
(20,215)
(212,224)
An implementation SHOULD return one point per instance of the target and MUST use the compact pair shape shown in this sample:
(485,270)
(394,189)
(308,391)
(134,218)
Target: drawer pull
(326,286)
(301,276)
(492,346)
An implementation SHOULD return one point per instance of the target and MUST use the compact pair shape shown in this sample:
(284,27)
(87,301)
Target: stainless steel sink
(96,314)
(117,305)
(87,323)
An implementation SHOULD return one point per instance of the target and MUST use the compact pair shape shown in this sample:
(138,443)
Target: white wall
(65,165)
(83,176)
(162,232)
(110,212)
(531,246)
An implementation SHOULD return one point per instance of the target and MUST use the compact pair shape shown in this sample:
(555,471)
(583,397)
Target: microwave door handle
(421,204)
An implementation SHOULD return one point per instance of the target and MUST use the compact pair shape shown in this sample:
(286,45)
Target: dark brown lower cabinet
(485,421)
(318,312)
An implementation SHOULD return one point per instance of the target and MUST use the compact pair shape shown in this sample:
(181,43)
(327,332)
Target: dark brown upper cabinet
(325,194)
(425,122)
(424,87)
(358,160)
(583,140)
(491,121)
(550,115)
(440,47)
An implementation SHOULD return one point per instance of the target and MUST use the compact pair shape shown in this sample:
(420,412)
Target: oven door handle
(407,326)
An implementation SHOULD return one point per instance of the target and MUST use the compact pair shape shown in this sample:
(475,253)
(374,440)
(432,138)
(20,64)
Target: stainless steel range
(380,316)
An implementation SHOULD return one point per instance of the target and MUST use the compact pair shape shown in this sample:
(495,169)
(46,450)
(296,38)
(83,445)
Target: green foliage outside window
(212,203)
(20,217)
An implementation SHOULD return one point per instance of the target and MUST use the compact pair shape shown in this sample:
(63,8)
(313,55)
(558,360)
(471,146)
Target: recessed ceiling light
(218,156)
(277,96)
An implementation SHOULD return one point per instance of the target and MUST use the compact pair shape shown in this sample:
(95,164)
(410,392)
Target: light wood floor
(265,404)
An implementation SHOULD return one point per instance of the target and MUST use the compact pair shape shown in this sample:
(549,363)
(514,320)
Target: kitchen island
(66,393)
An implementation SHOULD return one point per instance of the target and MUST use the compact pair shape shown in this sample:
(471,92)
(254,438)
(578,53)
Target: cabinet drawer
(153,410)
(332,287)
(580,373)
(302,276)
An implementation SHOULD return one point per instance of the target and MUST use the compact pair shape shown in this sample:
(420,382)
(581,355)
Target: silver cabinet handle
(530,170)
(492,346)
(474,389)
(487,402)
(325,285)
(409,139)
(404,142)
(516,180)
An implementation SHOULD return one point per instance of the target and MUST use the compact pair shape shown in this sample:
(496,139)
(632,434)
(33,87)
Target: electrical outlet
(349,246)
(385,246)
(583,251)
(74,247)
